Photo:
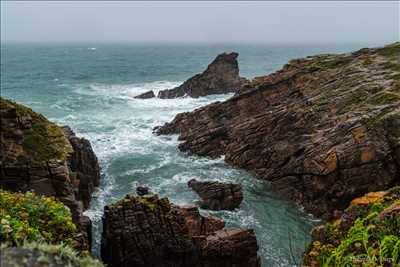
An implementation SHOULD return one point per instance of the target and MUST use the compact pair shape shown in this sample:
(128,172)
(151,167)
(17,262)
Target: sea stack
(150,231)
(220,77)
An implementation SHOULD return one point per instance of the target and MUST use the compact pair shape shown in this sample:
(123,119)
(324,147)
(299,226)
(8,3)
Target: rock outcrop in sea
(220,77)
(216,195)
(150,231)
(324,129)
(146,95)
(38,155)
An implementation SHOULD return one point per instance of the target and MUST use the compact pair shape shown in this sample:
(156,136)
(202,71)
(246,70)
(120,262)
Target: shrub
(28,217)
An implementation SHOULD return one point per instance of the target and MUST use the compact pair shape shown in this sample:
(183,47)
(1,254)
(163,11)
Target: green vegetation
(384,98)
(371,239)
(390,50)
(356,98)
(47,255)
(44,141)
(150,202)
(27,217)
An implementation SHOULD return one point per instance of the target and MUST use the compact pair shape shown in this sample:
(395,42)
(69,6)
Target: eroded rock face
(324,129)
(38,155)
(146,95)
(149,231)
(216,195)
(220,77)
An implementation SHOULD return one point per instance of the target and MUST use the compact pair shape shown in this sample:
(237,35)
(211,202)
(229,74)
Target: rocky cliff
(220,77)
(324,129)
(149,231)
(38,155)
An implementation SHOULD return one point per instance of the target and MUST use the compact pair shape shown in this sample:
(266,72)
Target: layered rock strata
(324,129)
(149,231)
(216,195)
(38,155)
(220,77)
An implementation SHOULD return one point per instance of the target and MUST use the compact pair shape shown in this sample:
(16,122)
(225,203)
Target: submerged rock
(323,130)
(216,195)
(149,231)
(142,190)
(220,77)
(146,95)
(38,155)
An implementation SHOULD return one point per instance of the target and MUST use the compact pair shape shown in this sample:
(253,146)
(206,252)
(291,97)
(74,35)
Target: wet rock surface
(220,77)
(146,95)
(216,195)
(149,231)
(323,130)
(40,156)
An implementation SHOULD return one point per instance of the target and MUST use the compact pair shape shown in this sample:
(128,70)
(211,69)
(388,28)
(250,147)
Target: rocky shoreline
(324,130)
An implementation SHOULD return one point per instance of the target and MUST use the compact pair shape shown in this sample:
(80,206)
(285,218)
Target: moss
(25,216)
(373,238)
(384,98)
(327,63)
(390,50)
(43,254)
(355,98)
(43,142)
(151,202)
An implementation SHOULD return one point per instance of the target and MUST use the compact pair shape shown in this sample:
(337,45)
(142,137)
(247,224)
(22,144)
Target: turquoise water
(91,88)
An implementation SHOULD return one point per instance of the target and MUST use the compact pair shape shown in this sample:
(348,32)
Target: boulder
(220,77)
(216,195)
(38,155)
(146,95)
(142,190)
(322,130)
(150,231)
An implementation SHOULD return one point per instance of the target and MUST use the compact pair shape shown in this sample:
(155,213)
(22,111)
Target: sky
(210,22)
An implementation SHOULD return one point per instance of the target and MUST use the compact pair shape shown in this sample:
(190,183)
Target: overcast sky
(213,22)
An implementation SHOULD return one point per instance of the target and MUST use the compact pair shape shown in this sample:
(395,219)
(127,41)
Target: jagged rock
(146,95)
(149,231)
(216,195)
(37,155)
(220,77)
(323,130)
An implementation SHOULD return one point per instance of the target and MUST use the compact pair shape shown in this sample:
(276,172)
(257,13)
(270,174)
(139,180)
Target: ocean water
(90,87)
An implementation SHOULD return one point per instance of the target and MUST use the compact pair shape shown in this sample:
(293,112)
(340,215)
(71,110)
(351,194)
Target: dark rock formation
(148,231)
(146,95)
(37,155)
(324,129)
(220,77)
(216,195)
(142,190)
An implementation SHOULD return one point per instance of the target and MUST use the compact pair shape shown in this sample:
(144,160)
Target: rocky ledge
(150,231)
(220,77)
(216,195)
(38,155)
(324,129)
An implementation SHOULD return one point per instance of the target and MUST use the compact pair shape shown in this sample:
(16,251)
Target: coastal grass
(373,239)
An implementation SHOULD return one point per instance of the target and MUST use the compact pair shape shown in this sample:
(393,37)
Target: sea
(91,88)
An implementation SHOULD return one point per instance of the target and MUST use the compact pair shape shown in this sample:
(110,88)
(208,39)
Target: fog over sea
(91,88)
